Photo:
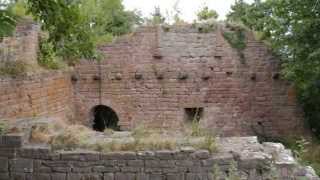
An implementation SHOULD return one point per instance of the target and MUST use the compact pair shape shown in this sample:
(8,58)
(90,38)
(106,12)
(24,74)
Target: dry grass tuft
(40,134)
(72,137)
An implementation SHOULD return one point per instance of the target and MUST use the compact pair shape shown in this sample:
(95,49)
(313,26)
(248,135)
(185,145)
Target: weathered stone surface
(175,177)
(35,153)
(103,169)
(8,152)
(119,156)
(143,176)
(78,156)
(125,176)
(4,176)
(165,155)
(4,164)
(58,176)
(41,177)
(21,165)
(201,154)
(10,141)
(136,163)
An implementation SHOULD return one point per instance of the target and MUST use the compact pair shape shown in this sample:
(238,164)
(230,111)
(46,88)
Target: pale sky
(188,8)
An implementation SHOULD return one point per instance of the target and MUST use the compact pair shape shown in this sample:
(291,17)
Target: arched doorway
(104,117)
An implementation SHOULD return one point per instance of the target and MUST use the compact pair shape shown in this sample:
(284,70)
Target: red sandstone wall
(46,94)
(23,46)
(238,98)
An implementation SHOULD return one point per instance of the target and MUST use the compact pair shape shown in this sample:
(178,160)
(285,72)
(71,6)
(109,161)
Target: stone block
(165,155)
(4,165)
(119,156)
(103,169)
(21,166)
(131,169)
(201,154)
(108,176)
(143,176)
(35,153)
(74,176)
(80,156)
(41,176)
(58,176)
(136,163)
(175,177)
(17,176)
(81,170)
(146,155)
(152,170)
(187,163)
(4,176)
(8,152)
(125,176)
(157,177)
(61,169)
(195,176)
(10,141)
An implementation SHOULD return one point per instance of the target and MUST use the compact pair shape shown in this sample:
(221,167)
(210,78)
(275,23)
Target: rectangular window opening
(193,114)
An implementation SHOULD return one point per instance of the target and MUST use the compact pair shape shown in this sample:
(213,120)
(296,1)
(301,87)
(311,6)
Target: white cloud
(188,8)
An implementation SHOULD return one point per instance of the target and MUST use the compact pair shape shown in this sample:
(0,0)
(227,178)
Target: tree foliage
(207,13)
(66,27)
(74,27)
(107,18)
(292,28)
(7,19)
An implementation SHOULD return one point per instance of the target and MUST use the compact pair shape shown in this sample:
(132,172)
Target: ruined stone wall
(20,162)
(41,95)
(36,93)
(152,75)
(23,46)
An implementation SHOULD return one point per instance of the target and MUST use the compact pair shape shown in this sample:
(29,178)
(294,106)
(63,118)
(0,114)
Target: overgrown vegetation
(292,29)
(205,13)
(305,151)
(47,56)
(74,28)
(205,27)
(3,128)
(141,138)
(7,19)
(236,37)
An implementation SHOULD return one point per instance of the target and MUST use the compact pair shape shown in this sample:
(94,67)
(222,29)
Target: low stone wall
(19,162)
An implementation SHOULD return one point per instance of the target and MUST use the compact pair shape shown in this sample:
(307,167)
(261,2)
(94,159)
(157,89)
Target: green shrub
(236,37)
(3,128)
(205,27)
(47,56)
(208,143)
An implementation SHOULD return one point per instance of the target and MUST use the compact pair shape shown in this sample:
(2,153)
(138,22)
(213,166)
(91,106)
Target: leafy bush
(236,37)
(3,128)
(207,13)
(295,38)
(47,56)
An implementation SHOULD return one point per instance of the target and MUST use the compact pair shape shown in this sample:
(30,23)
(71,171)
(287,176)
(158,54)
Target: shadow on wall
(104,118)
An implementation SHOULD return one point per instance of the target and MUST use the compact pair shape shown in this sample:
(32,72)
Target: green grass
(236,37)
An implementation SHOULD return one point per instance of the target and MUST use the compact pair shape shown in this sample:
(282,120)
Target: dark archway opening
(105,117)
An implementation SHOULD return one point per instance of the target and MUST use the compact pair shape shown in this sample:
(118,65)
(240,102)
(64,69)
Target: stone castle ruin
(159,77)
